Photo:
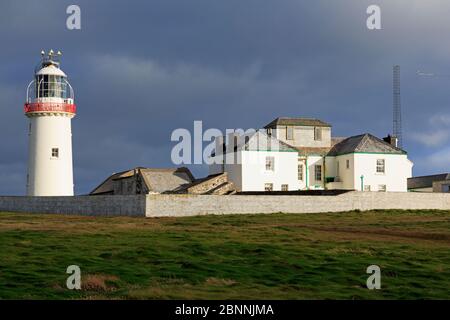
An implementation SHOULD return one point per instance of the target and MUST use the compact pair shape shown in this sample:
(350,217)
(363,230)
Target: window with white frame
(382,188)
(300,171)
(270,164)
(284,187)
(318,134)
(289,133)
(318,172)
(381,166)
(268,187)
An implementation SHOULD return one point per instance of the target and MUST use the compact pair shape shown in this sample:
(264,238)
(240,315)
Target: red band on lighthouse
(37,107)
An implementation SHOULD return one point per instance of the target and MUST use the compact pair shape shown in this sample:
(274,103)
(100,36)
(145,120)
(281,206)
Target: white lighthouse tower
(50,108)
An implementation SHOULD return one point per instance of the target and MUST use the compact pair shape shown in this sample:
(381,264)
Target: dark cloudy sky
(141,69)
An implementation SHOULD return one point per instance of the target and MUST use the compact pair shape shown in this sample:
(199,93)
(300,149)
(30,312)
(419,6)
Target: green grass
(281,256)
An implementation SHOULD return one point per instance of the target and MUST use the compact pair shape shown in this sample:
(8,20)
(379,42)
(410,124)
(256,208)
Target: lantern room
(50,90)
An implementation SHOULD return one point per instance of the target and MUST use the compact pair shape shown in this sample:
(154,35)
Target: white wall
(312,182)
(347,176)
(255,175)
(49,176)
(397,171)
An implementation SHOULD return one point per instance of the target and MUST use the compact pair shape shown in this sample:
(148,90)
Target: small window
(247,142)
(270,164)
(348,164)
(55,152)
(269,132)
(268,187)
(381,166)
(338,169)
(318,172)
(300,172)
(289,133)
(284,187)
(318,134)
(382,188)
(367,188)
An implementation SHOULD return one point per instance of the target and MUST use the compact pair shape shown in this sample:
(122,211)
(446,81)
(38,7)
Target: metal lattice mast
(397,116)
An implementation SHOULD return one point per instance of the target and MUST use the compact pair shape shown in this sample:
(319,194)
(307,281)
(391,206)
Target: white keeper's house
(300,154)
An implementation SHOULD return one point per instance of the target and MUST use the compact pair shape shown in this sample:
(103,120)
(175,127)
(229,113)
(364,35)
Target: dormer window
(317,133)
(289,133)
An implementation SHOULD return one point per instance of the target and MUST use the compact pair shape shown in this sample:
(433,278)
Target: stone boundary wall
(191,205)
(79,205)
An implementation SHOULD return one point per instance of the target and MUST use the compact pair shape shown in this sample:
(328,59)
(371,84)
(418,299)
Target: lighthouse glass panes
(51,86)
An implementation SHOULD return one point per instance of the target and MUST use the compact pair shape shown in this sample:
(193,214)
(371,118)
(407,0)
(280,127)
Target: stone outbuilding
(432,183)
(163,181)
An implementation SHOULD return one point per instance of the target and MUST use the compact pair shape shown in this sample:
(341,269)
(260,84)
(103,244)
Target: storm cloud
(141,69)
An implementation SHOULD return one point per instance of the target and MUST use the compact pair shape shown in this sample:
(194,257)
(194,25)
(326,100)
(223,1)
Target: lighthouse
(50,108)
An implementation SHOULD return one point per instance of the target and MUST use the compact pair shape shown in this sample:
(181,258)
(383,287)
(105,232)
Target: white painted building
(50,108)
(300,154)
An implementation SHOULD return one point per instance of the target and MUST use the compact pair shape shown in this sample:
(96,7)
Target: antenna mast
(397,116)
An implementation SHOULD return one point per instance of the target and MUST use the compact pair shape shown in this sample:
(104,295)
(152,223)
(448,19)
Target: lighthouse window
(55,152)
(51,86)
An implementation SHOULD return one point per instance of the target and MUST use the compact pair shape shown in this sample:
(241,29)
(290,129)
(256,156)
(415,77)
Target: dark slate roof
(297,122)
(364,143)
(303,151)
(260,141)
(426,181)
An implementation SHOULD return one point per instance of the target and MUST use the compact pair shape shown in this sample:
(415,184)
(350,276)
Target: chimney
(392,140)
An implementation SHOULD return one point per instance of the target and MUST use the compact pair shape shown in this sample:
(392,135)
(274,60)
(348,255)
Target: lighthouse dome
(51,70)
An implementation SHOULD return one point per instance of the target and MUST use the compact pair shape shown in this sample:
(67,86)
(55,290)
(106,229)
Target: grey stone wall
(190,205)
(81,205)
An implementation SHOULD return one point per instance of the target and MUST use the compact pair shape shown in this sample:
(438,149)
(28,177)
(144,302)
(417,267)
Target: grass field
(281,256)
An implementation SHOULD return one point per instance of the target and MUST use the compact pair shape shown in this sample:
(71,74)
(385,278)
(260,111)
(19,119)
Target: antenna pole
(397,116)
